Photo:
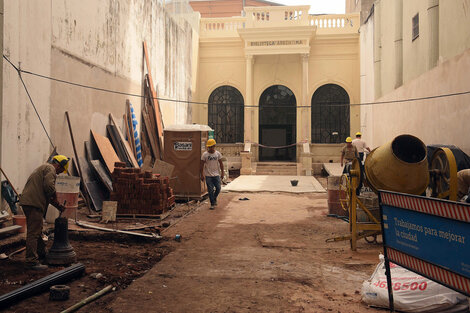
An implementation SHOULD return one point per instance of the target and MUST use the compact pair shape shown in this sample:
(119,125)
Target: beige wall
(96,43)
(441,120)
(434,121)
(454,34)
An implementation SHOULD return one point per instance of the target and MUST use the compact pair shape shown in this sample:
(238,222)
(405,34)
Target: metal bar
(116,230)
(41,285)
(88,300)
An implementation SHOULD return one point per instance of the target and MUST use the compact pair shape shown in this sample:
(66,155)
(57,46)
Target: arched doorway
(277,124)
(226,114)
(330,114)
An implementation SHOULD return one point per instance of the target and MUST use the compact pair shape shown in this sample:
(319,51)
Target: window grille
(415,31)
(330,114)
(226,114)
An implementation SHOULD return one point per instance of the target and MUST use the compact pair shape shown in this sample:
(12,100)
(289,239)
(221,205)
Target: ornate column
(248,129)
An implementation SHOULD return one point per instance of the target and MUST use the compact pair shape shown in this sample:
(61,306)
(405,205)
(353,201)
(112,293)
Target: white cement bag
(411,292)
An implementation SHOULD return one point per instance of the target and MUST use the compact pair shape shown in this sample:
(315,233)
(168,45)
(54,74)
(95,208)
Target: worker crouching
(37,194)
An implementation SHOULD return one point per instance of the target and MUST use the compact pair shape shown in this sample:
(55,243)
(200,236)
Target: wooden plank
(163,168)
(106,150)
(150,136)
(147,164)
(128,134)
(102,174)
(150,109)
(158,114)
(95,189)
(117,144)
(128,150)
(9,229)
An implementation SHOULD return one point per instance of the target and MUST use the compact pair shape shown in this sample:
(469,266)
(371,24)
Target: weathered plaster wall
(27,39)
(434,121)
(96,43)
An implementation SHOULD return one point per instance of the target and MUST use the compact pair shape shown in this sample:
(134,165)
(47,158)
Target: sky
(318,6)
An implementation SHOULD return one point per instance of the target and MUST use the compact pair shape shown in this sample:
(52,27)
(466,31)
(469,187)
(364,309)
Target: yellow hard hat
(210,143)
(348,139)
(63,161)
(358,134)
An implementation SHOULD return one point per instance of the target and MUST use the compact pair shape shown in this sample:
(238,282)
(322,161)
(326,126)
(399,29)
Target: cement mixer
(401,166)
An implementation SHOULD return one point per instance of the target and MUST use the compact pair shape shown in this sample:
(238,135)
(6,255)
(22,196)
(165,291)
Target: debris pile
(138,192)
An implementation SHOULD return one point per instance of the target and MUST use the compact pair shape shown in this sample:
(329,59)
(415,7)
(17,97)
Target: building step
(276,168)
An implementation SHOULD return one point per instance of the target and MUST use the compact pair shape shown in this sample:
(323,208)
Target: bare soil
(265,254)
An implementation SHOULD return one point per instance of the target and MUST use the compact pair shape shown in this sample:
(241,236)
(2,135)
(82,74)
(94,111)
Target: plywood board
(102,174)
(127,148)
(156,105)
(163,168)
(106,150)
(95,191)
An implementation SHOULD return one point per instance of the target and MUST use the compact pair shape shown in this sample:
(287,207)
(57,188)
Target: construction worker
(212,170)
(38,192)
(348,153)
(463,185)
(360,145)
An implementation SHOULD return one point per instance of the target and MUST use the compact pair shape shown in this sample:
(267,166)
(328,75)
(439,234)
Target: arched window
(226,111)
(330,114)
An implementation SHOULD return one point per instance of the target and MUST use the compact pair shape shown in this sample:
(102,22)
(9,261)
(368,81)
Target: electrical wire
(328,104)
(30,99)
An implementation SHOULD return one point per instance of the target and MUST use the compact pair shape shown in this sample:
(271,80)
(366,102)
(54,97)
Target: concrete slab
(333,169)
(255,183)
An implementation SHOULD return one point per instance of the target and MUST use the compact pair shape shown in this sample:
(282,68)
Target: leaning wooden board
(106,150)
(125,144)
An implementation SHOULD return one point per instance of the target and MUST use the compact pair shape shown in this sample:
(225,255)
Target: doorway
(277,124)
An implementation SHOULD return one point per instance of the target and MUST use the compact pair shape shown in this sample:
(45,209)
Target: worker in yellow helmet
(361,146)
(348,153)
(212,170)
(38,192)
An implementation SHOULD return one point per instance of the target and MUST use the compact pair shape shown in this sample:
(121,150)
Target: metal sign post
(428,236)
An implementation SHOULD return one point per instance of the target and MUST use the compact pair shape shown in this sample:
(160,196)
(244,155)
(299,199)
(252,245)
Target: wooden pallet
(191,197)
(154,216)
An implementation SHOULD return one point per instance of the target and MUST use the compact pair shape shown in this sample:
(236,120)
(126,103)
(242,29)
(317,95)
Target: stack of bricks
(138,192)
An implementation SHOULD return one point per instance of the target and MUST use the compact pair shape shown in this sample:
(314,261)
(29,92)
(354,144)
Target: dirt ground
(265,254)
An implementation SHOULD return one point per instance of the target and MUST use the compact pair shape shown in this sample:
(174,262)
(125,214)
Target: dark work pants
(35,247)
(213,188)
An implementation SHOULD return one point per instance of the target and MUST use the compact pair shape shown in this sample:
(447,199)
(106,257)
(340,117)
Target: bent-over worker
(212,169)
(38,192)
(463,184)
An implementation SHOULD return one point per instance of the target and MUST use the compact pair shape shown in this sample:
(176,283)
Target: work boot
(37,267)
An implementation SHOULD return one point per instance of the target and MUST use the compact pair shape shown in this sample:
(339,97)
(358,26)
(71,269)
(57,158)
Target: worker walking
(212,170)
(463,184)
(38,192)
(360,145)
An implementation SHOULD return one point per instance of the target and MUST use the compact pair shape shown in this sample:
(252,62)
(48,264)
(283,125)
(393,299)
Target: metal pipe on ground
(88,300)
(117,231)
(41,285)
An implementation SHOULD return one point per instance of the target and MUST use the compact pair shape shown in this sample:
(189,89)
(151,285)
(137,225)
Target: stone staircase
(276,168)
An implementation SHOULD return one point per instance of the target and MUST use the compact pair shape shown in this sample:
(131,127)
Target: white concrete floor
(255,183)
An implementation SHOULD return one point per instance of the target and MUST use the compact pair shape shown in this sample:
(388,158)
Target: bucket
(334,205)
(21,221)
(67,189)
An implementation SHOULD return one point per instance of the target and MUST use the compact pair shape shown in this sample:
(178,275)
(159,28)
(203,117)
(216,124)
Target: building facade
(415,68)
(279,77)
